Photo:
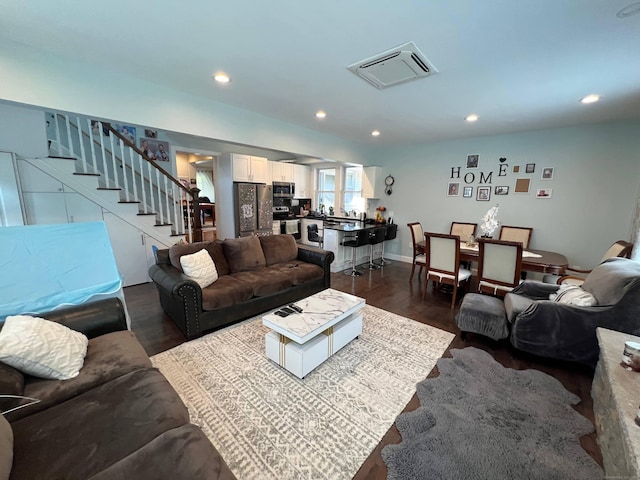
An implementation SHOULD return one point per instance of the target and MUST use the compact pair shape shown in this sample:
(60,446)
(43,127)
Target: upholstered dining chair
(418,251)
(620,249)
(463,230)
(499,266)
(516,234)
(442,254)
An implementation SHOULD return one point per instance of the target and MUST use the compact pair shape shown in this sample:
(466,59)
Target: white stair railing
(100,149)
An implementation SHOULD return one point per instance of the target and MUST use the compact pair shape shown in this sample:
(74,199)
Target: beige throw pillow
(573,295)
(42,348)
(200,267)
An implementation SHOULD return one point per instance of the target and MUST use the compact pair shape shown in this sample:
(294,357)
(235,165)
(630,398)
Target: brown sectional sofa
(256,274)
(120,418)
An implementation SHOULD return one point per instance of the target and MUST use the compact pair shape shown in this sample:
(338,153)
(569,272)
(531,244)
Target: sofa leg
(463,335)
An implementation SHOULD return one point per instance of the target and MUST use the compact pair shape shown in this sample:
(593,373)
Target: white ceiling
(519,65)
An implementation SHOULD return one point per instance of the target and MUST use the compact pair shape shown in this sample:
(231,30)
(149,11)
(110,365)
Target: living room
(592,149)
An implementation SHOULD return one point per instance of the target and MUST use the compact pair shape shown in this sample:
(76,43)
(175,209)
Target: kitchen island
(334,234)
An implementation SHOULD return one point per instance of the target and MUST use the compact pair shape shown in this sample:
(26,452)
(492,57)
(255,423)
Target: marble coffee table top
(319,312)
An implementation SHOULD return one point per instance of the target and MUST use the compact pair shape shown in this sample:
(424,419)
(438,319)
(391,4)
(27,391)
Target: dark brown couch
(256,274)
(120,418)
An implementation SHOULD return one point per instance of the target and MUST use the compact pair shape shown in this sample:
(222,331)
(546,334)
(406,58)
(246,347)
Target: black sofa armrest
(92,319)
(172,280)
(317,256)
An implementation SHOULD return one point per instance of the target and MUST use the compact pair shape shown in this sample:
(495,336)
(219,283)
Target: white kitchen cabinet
(302,179)
(132,249)
(59,207)
(282,172)
(250,169)
(372,182)
(35,180)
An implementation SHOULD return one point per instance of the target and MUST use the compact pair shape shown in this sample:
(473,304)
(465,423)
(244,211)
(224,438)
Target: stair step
(61,158)
(128,201)
(107,188)
(163,224)
(87,174)
(150,213)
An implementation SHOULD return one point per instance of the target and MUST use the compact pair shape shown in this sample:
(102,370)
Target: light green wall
(595,186)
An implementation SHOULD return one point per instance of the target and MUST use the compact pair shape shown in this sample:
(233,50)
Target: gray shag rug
(480,420)
(268,424)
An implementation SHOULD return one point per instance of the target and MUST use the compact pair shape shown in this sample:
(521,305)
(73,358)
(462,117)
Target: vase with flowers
(489,222)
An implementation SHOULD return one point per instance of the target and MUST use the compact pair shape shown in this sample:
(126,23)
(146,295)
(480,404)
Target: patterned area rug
(268,424)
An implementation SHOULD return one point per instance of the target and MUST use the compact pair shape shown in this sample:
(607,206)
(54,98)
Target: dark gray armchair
(568,332)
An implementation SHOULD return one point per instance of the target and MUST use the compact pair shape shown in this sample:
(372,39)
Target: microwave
(284,189)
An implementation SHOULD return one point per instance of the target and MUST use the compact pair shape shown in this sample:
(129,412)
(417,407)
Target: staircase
(97,162)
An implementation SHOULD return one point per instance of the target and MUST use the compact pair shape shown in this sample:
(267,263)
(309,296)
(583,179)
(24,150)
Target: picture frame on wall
(472,161)
(483,194)
(501,190)
(522,185)
(155,149)
(544,193)
(127,132)
(530,168)
(547,173)
(453,189)
(467,192)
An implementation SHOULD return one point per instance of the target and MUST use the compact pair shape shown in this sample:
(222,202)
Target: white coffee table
(301,341)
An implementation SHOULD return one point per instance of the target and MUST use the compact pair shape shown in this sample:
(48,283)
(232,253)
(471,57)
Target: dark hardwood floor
(389,289)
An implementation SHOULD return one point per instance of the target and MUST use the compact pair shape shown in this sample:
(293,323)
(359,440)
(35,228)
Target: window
(326,193)
(353,189)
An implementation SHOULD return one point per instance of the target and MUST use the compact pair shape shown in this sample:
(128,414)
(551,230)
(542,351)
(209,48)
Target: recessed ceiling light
(221,77)
(375,133)
(593,98)
(629,10)
(321,114)
(472,118)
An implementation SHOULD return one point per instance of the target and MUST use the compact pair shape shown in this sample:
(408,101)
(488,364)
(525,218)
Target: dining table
(541,261)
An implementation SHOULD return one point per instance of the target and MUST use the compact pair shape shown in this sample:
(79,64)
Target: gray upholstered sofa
(256,274)
(119,418)
(568,332)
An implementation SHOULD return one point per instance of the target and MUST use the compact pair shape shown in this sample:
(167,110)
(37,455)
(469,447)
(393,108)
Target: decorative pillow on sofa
(200,267)
(279,248)
(244,253)
(573,295)
(214,248)
(42,348)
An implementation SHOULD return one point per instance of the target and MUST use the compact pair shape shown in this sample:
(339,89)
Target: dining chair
(442,254)
(499,266)
(621,249)
(516,234)
(463,230)
(418,250)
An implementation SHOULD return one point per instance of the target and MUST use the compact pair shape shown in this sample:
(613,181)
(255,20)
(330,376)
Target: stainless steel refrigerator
(253,205)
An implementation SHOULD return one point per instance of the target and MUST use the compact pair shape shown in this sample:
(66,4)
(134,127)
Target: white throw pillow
(200,267)
(573,295)
(42,348)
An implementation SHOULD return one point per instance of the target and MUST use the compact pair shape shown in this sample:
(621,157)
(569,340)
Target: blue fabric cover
(44,267)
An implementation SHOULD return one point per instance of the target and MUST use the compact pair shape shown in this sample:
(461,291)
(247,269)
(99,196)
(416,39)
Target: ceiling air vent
(394,66)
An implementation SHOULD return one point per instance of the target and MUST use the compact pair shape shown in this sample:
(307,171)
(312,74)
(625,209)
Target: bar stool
(376,236)
(391,233)
(359,239)
(313,234)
